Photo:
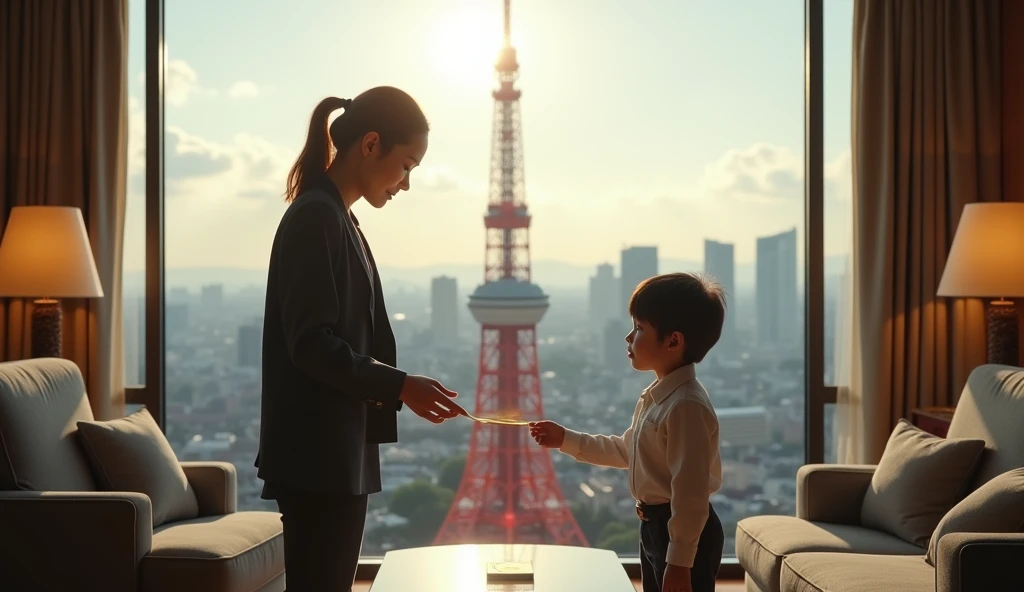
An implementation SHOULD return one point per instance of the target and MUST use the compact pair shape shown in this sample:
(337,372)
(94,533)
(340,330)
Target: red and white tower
(509,492)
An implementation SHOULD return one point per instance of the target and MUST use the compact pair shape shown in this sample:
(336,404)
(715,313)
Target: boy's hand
(677,579)
(547,433)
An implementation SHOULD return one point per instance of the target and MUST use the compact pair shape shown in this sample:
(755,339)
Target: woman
(330,387)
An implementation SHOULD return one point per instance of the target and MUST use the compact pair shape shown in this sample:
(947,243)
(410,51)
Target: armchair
(60,533)
(825,546)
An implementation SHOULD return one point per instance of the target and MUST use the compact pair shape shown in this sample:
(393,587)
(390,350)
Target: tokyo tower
(509,492)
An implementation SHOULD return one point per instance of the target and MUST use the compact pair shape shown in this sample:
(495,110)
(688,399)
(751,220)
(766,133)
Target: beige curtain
(926,141)
(63,141)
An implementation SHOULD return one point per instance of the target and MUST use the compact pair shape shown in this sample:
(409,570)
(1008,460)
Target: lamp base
(1002,333)
(46,329)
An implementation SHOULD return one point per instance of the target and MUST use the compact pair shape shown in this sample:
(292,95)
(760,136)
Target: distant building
(613,345)
(250,345)
(720,263)
(134,336)
(603,297)
(212,297)
(743,426)
(444,309)
(176,319)
(776,289)
(638,264)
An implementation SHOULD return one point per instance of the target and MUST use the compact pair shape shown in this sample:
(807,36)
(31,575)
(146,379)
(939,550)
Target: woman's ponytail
(316,153)
(386,110)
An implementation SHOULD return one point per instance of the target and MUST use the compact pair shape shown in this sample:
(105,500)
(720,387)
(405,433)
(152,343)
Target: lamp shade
(987,256)
(45,253)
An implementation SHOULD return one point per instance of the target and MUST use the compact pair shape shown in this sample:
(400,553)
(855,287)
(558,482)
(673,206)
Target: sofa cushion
(845,572)
(240,551)
(762,542)
(997,506)
(919,478)
(991,407)
(132,454)
(41,402)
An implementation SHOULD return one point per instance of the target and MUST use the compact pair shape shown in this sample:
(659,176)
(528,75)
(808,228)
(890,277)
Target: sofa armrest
(969,561)
(831,492)
(53,540)
(216,486)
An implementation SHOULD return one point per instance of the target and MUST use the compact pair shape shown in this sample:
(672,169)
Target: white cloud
(761,172)
(244,89)
(839,178)
(247,169)
(136,137)
(182,82)
(767,173)
(444,179)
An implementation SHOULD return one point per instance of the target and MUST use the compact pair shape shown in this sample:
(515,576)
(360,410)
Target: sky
(660,122)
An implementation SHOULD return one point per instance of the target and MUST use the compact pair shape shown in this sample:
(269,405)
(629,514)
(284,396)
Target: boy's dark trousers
(654,548)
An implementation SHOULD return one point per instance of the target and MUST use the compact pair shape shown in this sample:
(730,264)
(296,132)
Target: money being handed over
(498,420)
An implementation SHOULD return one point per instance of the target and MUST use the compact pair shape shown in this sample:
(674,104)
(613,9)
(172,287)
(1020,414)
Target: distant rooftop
(741,411)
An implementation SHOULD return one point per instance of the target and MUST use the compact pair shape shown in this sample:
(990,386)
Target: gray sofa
(59,531)
(826,548)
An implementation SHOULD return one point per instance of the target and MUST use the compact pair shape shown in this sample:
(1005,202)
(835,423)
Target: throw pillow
(997,506)
(918,479)
(132,454)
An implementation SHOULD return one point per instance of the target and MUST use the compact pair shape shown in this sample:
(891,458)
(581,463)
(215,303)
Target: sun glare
(464,44)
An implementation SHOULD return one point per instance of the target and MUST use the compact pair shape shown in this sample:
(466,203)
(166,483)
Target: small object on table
(509,571)
(934,420)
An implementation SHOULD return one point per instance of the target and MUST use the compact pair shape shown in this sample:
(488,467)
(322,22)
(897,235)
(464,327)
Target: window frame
(817,394)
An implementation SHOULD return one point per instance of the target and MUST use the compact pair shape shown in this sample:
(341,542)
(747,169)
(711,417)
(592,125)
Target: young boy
(671,446)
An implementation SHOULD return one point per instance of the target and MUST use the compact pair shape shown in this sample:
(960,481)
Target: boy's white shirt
(671,451)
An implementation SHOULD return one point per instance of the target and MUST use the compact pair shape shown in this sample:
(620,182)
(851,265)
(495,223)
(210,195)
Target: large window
(838,204)
(661,136)
(133,285)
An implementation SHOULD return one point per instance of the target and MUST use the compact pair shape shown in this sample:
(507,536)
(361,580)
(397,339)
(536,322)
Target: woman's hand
(429,399)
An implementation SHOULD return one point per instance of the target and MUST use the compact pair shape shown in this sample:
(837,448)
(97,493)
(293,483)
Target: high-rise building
(134,335)
(603,297)
(613,344)
(720,263)
(250,345)
(212,297)
(638,264)
(444,309)
(776,290)
(176,319)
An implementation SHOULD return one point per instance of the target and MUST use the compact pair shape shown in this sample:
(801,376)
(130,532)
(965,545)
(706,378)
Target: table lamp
(45,254)
(987,261)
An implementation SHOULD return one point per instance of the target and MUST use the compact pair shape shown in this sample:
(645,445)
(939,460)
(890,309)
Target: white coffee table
(463,568)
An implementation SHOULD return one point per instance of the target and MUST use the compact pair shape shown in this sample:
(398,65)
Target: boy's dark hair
(693,304)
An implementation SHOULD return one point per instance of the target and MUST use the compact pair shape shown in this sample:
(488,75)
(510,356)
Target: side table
(934,420)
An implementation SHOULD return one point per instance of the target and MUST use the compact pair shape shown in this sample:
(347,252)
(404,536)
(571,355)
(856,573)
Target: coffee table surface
(463,568)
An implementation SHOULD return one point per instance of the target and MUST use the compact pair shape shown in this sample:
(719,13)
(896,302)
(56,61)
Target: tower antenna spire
(508,24)
(509,492)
